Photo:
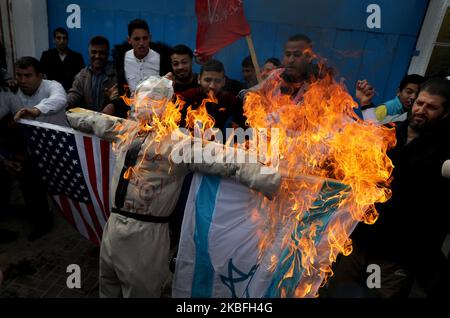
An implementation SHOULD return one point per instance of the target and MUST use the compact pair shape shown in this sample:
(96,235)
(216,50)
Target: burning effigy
(334,168)
(146,183)
(277,241)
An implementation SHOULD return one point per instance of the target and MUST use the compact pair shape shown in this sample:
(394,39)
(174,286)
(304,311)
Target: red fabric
(220,23)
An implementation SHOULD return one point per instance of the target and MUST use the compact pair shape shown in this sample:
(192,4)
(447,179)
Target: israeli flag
(223,224)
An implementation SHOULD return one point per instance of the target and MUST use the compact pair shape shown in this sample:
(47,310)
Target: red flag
(220,23)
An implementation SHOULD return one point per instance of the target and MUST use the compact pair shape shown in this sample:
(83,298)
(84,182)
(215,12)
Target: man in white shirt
(140,62)
(42,100)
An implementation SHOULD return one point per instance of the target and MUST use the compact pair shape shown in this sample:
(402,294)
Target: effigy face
(151,97)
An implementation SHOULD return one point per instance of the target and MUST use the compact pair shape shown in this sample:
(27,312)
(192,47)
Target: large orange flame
(323,138)
(200,115)
(320,139)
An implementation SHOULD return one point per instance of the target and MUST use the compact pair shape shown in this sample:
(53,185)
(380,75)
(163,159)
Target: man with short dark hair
(407,238)
(297,73)
(297,59)
(95,87)
(212,80)
(395,109)
(61,63)
(181,58)
(42,100)
(45,101)
(141,61)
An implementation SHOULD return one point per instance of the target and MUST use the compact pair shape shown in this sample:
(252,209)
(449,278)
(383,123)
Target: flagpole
(253,55)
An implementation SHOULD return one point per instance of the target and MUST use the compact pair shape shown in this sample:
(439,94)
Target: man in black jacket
(61,63)
(405,242)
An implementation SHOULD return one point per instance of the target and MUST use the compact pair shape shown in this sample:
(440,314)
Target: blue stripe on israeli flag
(202,283)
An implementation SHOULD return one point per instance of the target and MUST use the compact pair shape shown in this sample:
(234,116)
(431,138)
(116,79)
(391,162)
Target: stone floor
(38,269)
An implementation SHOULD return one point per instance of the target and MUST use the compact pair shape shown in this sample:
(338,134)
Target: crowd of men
(405,242)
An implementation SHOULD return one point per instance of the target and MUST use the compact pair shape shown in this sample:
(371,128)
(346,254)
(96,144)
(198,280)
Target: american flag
(77,169)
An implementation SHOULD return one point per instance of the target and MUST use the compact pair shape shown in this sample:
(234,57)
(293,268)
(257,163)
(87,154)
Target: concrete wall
(6,32)
(24,28)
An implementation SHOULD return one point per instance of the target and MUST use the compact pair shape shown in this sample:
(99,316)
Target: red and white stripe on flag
(77,169)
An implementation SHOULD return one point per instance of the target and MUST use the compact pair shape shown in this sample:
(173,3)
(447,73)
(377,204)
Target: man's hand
(12,84)
(364,92)
(112,93)
(11,166)
(109,109)
(27,113)
(200,60)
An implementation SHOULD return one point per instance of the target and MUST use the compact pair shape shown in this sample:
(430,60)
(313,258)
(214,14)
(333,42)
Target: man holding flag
(44,101)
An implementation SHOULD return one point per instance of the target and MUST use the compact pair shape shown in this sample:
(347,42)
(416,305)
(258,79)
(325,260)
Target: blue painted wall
(337,27)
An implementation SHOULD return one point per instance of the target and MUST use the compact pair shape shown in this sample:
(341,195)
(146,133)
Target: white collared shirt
(137,70)
(51,99)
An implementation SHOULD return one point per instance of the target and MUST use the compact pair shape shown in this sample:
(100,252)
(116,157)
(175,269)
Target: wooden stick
(251,48)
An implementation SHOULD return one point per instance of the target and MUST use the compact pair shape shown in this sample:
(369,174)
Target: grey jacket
(80,95)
